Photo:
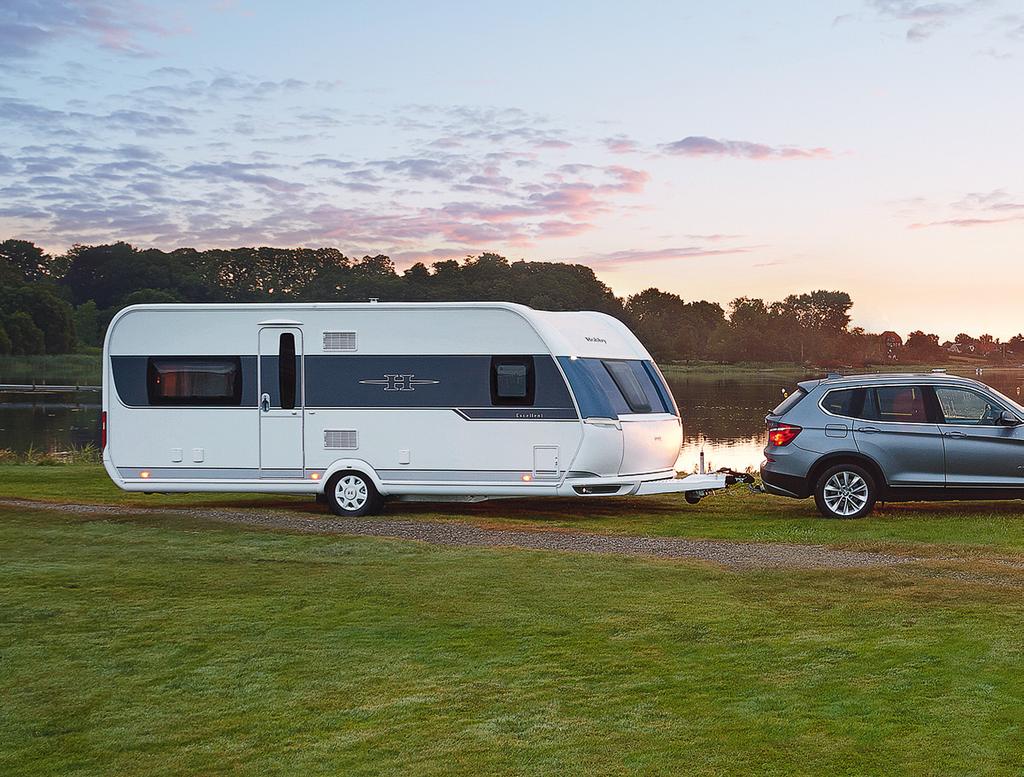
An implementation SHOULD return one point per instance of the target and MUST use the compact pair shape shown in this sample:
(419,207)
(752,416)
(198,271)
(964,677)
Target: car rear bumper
(784,485)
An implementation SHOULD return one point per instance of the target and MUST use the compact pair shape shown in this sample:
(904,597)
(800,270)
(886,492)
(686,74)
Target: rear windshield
(789,402)
(608,388)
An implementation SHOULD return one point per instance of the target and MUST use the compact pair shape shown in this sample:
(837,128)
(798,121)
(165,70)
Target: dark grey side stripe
(517,413)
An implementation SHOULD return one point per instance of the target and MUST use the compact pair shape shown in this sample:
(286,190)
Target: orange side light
(144,474)
(314,475)
(527,478)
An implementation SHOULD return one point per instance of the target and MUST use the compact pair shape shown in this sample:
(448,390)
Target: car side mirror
(1006,418)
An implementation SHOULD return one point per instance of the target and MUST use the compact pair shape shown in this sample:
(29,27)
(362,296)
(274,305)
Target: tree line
(60,304)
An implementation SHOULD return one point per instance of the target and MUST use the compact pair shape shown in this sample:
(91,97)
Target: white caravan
(362,402)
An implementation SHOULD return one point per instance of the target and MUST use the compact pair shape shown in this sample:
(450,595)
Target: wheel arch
(847,457)
(353,465)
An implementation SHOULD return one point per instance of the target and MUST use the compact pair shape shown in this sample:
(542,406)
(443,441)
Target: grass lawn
(162,646)
(964,528)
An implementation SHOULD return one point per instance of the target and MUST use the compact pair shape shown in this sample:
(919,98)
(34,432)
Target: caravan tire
(353,494)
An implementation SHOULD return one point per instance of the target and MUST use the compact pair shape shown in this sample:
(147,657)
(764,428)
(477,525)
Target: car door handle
(954,434)
(868,430)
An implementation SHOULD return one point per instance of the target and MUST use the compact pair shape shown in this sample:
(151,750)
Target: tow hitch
(730,478)
(695,487)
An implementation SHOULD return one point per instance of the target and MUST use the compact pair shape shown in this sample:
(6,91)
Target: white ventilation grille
(341,439)
(339,341)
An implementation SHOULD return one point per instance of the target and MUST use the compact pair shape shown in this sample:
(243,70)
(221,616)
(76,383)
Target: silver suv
(850,441)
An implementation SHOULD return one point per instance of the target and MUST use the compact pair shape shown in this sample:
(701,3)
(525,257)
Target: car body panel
(916,457)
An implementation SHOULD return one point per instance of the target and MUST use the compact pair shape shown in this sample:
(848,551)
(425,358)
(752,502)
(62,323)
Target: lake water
(723,416)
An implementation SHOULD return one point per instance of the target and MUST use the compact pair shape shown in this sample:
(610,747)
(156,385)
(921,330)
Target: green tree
(26,338)
(87,324)
(922,347)
(661,322)
(27,258)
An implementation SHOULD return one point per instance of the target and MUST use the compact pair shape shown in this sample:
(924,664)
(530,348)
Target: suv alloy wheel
(845,491)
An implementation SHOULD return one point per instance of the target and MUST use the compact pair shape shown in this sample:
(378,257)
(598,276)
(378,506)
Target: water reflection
(724,418)
(49,422)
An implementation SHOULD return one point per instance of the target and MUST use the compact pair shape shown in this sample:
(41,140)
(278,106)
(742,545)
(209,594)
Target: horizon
(708,152)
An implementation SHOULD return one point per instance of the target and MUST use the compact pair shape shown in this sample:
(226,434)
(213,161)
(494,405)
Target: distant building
(892,345)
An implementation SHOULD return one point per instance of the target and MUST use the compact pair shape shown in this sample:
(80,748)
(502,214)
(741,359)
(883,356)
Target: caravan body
(401,400)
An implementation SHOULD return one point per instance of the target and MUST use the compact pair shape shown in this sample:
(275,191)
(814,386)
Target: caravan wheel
(353,494)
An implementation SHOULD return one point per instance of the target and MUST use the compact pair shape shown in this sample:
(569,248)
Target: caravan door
(281,402)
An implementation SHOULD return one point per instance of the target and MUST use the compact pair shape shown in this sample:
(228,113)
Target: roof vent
(341,439)
(339,341)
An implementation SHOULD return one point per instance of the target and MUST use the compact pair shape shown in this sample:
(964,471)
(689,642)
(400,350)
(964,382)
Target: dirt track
(733,555)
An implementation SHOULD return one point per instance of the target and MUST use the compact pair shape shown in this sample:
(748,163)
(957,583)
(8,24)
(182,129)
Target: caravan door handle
(868,430)
(265,403)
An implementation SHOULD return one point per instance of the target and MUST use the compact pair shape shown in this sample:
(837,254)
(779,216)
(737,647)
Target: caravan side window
(512,380)
(194,380)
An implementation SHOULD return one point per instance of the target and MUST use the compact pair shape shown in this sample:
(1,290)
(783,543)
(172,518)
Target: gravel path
(733,555)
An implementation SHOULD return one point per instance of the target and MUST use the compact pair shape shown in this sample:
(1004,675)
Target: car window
(898,404)
(791,401)
(844,402)
(965,407)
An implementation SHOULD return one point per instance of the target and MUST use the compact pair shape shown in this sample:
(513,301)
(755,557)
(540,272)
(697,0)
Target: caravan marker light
(314,475)
(527,478)
(103,430)
(144,474)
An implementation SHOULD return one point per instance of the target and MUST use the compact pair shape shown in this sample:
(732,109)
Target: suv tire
(352,494)
(845,491)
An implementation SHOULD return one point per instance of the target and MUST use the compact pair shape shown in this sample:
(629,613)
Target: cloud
(240,173)
(617,259)
(28,26)
(1014,24)
(923,19)
(620,144)
(701,146)
(38,119)
(966,222)
(982,209)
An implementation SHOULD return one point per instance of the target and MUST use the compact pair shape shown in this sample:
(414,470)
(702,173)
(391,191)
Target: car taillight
(103,430)
(782,434)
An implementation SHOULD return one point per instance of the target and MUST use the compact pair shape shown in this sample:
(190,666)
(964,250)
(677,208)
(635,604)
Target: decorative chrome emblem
(399,382)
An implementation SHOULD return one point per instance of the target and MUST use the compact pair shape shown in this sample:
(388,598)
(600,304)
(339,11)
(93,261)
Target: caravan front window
(628,384)
(607,388)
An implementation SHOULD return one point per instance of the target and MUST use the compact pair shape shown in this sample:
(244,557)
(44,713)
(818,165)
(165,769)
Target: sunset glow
(711,150)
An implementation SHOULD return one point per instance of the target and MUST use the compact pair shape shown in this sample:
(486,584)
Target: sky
(713,150)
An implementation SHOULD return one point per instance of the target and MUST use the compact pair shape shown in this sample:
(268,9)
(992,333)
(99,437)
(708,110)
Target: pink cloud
(617,259)
(620,144)
(701,146)
(967,222)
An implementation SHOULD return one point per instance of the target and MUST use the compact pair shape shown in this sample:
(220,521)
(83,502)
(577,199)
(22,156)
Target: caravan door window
(512,380)
(194,380)
(286,370)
